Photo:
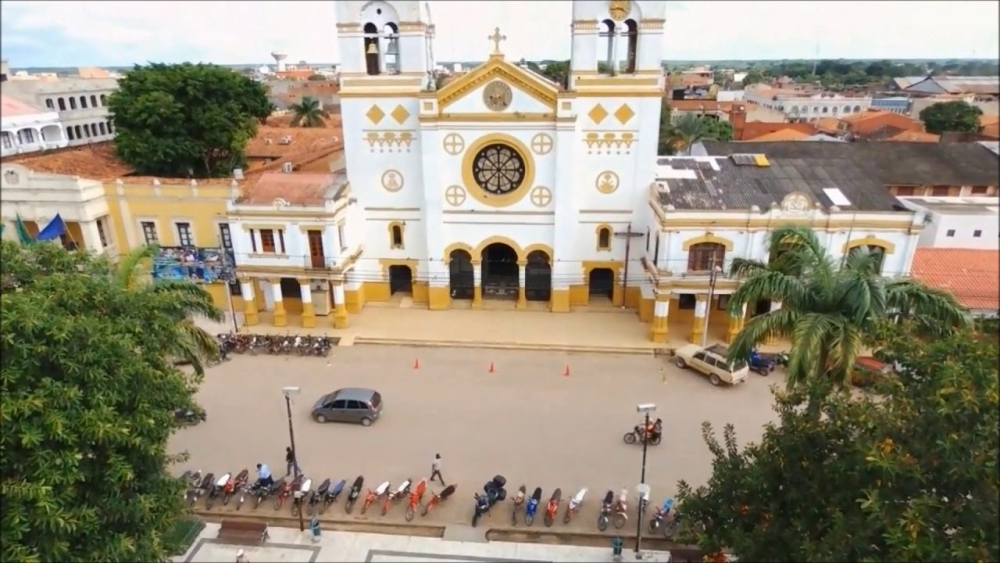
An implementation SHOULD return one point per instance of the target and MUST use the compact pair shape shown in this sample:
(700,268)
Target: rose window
(498,169)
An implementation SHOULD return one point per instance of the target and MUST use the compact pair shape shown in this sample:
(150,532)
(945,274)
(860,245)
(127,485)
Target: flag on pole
(22,231)
(55,229)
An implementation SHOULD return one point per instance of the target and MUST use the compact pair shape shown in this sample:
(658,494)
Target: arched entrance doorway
(400,279)
(602,282)
(500,271)
(461,274)
(538,277)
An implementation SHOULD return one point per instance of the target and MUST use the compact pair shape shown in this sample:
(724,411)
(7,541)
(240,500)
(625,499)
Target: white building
(958,222)
(29,129)
(801,106)
(80,102)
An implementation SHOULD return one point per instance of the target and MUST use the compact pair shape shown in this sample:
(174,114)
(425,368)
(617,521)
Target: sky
(122,33)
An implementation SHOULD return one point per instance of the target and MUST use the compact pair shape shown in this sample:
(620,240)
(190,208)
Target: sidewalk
(293,546)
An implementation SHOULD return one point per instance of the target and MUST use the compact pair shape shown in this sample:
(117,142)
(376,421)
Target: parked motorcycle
(234,485)
(301,495)
(332,494)
(403,490)
(374,494)
(532,507)
(260,492)
(574,505)
(553,507)
(206,483)
(638,435)
(493,492)
(316,496)
(191,479)
(190,416)
(438,498)
(355,491)
(606,506)
(676,521)
(215,490)
(416,496)
(285,490)
(620,515)
(657,523)
(518,501)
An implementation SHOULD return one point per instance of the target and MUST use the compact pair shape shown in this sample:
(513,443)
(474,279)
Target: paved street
(525,421)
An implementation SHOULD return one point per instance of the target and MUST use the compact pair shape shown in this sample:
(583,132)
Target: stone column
(308,312)
(735,325)
(280,318)
(339,308)
(249,302)
(522,301)
(477,284)
(770,341)
(700,310)
(91,236)
(661,311)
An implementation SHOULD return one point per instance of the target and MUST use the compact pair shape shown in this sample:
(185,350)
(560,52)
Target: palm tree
(308,113)
(829,311)
(193,344)
(689,130)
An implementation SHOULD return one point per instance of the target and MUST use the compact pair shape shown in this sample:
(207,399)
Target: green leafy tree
(691,129)
(308,113)
(718,130)
(829,309)
(556,71)
(88,396)
(954,116)
(185,120)
(907,473)
(665,144)
(753,77)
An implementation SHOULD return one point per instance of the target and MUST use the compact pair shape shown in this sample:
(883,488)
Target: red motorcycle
(234,485)
(438,499)
(285,489)
(553,507)
(416,496)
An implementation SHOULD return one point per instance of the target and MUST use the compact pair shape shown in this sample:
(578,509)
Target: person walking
(241,557)
(291,462)
(436,469)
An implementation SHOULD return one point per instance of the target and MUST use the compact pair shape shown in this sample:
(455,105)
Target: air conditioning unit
(286,167)
(286,140)
(238,174)
(267,140)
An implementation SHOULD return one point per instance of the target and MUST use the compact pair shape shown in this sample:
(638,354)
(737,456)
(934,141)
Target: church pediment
(498,86)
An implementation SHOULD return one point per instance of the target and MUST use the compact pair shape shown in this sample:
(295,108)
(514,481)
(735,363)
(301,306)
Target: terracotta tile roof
(827,124)
(754,129)
(987,120)
(991,131)
(267,143)
(296,188)
(782,135)
(94,162)
(700,105)
(973,276)
(864,115)
(12,107)
(916,137)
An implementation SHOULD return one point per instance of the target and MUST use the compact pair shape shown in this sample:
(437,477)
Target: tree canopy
(185,120)
(953,116)
(308,113)
(88,399)
(906,474)
(829,309)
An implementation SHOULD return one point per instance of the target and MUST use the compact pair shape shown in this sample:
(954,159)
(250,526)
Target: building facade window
(69,134)
(977,233)
(341,236)
(980,190)
(396,236)
(702,257)
(72,102)
(184,237)
(104,100)
(940,191)
(686,301)
(93,101)
(906,191)
(149,232)
(62,104)
(83,102)
(281,241)
(26,136)
(253,241)
(100,126)
(49,104)
(603,238)
(267,241)
(949,233)
(101,234)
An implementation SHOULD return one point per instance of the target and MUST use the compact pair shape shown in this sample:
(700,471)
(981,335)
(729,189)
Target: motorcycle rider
(652,429)
(264,478)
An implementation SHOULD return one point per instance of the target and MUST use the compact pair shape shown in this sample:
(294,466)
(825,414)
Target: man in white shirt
(264,475)
(436,469)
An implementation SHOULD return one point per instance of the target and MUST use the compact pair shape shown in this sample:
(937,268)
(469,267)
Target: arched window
(857,109)
(83,102)
(86,129)
(847,109)
(69,133)
(110,128)
(803,110)
(104,100)
(100,127)
(702,256)
(877,253)
(72,103)
(62,104)
(93,101)
(372,49)
(606,47)
(49,104)
(826,110)
(835,108)
(604,238)
(391,55)
(632,32)
(79,132)
(396,235)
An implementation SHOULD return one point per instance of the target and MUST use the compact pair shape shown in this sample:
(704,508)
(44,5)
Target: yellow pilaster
(308,311)
(250,312)
(559,300)
(658,329)
(732,329)
(699,319)
(279,317)
(477,297)
(522,298)
(438,298)
(340,319)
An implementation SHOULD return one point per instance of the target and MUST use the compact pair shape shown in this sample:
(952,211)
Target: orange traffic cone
(566,371)
(416,363)
(491,367)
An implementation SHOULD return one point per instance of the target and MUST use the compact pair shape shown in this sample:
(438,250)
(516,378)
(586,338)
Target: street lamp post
(642,489)
(288,392)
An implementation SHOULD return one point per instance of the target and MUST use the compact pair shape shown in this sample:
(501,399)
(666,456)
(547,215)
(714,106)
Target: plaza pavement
(290,545)
(526,421)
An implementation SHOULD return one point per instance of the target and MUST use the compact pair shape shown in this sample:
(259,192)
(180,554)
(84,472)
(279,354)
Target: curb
(414,343)
(288,521)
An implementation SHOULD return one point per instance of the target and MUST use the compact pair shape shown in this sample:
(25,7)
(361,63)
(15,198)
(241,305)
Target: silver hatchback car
(362,406)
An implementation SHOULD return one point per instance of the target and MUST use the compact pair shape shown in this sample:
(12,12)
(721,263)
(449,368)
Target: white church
(504,189)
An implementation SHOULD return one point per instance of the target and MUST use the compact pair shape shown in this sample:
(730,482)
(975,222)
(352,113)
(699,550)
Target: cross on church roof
(496,38)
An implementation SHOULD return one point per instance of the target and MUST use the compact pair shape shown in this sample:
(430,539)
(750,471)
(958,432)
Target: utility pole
(629,235)
(713,276)
(288,392)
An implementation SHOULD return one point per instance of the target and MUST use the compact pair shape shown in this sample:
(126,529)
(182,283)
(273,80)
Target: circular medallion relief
(541,196)
(392,181)
(497,95)
(619,9)
(541,144)
(607,182)
(797,202)
(454,195)
(498,169)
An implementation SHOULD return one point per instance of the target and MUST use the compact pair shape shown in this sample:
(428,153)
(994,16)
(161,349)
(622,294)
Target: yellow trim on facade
(385,263)
(473,188)
(402,233)
(870,240)
(615,266)
(707,238)
(539,247)
(498,239)
(611,93)
(597,235)
(458,246)
(483,117)
(498,68)
(312,227)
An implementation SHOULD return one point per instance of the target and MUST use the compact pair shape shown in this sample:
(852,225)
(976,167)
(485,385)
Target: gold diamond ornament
(598,113)
(624,113)
(400,114)
(375,114)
